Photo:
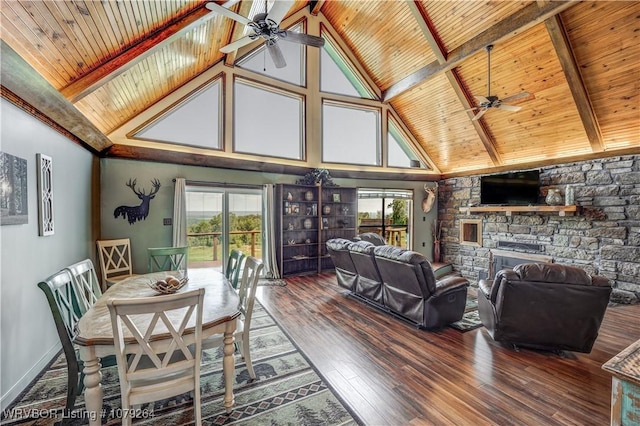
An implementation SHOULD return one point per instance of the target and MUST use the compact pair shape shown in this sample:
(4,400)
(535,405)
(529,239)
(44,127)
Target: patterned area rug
(470,319)
(288,390)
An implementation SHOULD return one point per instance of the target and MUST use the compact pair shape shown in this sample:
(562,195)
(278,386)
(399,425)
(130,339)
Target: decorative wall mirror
(471,232)
(45,195)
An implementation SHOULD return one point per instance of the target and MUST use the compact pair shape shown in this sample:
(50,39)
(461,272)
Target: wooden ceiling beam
(315,6)
(108,71)
(430,33)
(428,30)
(520,21)
(561,43)
(201,160)
(26,83)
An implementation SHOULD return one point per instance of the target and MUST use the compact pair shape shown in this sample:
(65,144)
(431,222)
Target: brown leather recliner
(411,290)
(544,306)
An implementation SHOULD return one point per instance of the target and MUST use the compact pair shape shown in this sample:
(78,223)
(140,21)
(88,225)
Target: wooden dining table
(95,335)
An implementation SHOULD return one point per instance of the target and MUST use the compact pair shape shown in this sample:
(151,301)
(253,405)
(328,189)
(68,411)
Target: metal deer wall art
(427,203)
(135,213)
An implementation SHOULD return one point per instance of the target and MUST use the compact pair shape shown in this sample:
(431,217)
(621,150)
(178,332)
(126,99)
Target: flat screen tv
(511,189)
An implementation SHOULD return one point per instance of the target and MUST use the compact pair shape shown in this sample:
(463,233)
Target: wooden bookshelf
(509,210)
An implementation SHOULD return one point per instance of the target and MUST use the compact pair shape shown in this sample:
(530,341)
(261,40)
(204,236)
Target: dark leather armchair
(544,306)
(338,249)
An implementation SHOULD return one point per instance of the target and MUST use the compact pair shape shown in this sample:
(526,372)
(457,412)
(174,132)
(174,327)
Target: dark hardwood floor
(391,373)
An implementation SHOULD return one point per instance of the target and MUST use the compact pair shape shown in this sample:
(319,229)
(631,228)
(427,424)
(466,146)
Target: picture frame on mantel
(14,200)
(45,195)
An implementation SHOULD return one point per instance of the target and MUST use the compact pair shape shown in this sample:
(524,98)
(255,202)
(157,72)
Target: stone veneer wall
(603,238)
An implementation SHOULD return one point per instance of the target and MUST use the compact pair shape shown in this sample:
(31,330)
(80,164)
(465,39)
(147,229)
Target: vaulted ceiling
(91,67)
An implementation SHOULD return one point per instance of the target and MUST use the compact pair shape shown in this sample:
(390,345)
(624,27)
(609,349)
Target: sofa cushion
(372,237)
(338,243)
(414,258)
(369,284)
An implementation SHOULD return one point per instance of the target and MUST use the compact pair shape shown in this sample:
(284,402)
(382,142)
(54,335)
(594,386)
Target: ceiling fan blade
(482,100)
(514,97)
(236,44)
(309,40)
(479,114)
(509,107)
(215,7)
(279,10)
(276,54)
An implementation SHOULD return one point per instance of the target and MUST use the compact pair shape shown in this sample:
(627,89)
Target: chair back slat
(248,285)
(168,259)
(87,286)
(60,291)
(234,267)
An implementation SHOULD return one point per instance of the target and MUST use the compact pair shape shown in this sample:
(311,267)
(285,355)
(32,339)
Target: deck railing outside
(207,246)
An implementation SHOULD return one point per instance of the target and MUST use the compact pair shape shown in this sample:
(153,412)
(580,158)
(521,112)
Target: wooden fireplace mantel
(509,210)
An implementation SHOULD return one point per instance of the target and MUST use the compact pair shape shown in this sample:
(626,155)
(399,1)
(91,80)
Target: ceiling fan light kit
(267,26)
(489,101)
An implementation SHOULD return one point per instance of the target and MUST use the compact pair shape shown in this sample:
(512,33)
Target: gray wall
(28,336)
(152,233)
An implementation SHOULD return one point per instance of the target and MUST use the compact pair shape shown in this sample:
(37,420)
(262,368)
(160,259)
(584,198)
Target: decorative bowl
(169,284)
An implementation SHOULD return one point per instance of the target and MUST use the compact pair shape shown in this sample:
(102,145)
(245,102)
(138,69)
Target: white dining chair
(152,372)
(115,261)
(247,292)
(88,289)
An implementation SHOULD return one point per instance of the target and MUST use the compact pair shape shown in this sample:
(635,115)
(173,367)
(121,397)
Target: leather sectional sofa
(399,281)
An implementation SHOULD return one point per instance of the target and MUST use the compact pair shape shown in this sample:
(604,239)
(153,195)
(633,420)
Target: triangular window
(399,152)
(259,61)
(337,75)
(195,121)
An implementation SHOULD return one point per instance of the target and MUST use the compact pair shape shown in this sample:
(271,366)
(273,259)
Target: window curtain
(270,261)
(180,213)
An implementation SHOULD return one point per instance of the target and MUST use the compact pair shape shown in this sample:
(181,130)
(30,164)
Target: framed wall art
(14,202)
(45,195)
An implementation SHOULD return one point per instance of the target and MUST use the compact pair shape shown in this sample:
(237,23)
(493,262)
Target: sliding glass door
(220,219)
(386,212)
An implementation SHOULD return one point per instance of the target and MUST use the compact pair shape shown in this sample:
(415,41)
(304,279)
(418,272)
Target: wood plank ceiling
(109,61)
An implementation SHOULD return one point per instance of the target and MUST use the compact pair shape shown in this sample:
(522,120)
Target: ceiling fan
(267,26)
(484,103)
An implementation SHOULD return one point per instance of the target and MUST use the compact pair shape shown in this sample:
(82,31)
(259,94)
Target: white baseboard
(31,374)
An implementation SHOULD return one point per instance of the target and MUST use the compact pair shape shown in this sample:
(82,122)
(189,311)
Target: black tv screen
(511,189)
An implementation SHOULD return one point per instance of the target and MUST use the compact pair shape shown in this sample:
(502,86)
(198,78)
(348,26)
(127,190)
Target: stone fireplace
(601,237)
